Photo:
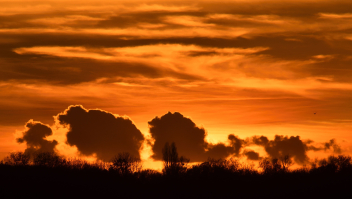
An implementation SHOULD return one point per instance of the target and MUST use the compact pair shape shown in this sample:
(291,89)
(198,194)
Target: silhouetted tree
(17,158)
(265,164)
(286,162)
(270,166)
(275,165)
(217,166)
(49,159)
(172,163)
(78,164)
(335,164)
(124,163)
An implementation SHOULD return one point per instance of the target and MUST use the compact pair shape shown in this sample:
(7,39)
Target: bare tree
(276,164)
(49,159)
(286,162)
(172,163)
(17,158)
(124,163)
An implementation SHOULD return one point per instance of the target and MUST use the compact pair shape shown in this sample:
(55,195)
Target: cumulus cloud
(174,127)
(100,132)
(34,136)
(189,139)
(283,145)
(293,146)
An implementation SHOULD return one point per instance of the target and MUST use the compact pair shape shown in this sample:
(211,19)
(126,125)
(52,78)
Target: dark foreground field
(212,179)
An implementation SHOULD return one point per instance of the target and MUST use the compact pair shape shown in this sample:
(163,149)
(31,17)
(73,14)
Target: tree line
(173,164)
(215,178)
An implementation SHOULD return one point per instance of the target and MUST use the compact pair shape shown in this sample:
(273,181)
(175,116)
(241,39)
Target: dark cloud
(340,72)
(262,140)
(217,151)
(236,143)
(189,139)
(35,136)
(281,46)
(251,155)
(284,145)
(174,127)
(74,71)
(312,147)
(332,145)
(202,53)
(292,146)
(100,132)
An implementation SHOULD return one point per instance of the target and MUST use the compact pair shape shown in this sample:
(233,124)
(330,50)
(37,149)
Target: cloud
(312,147)
(81,62)
(34,136)
(336,16)
(236,143)
(292,146)
(163,8)
(189,139)
(262,140)
(67,20)
(187,21)
(161,52)
(174,127)
(100,132)
(283,145)
(332,145)
(251,155)
(73,71)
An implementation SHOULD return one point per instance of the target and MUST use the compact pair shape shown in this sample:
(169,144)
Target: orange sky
(234,67)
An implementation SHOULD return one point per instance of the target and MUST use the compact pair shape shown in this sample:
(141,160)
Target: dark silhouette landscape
(48,175)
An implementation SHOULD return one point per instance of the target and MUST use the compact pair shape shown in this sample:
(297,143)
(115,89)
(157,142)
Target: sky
(248,79)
